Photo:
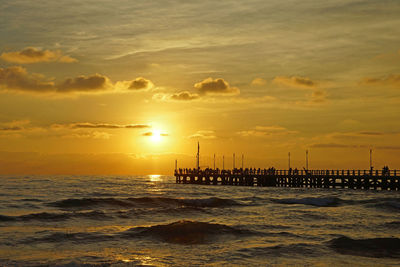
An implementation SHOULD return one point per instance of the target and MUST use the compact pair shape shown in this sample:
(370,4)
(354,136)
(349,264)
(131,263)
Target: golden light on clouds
(254,83)
(31,55)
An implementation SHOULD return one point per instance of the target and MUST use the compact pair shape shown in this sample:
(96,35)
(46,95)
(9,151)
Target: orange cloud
(318,96)
(34,55)
(184,96)
(258,82)
(295,81)
(262,131)
(216,86)
(390,80)
(203,135)
(101,125)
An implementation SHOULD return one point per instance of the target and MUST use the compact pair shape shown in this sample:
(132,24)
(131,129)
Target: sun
(156,136)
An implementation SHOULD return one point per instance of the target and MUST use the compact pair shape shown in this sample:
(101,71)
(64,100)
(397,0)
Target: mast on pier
(198,156)
(214,161)
(307,159)
(370,159)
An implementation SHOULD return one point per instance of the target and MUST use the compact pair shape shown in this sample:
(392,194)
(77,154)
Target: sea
(150,220)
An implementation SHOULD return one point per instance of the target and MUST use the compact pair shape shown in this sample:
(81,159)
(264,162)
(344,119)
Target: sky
(128,87)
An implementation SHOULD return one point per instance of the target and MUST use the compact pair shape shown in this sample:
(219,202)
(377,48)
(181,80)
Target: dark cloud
(371,133)
(140,83)
(35,55)
(148,134)
(184,96)
(216,86)
(295,81)
(17,79)
(15,128)
(390,80)
(92,83)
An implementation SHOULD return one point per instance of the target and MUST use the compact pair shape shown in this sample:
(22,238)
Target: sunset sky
(127,87)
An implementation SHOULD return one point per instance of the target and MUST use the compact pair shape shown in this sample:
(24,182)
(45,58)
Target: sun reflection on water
(155,177)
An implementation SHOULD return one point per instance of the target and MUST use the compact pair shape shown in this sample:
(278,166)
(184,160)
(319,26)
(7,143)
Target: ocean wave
(187,232)
(280,250)
(53,217)
(313,201)
(391,205)
(370,247)
(82,203)
(71,237)
(393,224)
(4,218)
(31,200)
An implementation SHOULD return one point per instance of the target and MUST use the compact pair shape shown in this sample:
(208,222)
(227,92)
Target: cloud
(371,133)
(203,135)
(151,134)
(140,83)
(14,128)
(88,135)
(318,96)
(184,96)
(262,131)
(258,82)
(17,78)
(35,55)
(352,135)
(147,134)
(216,86)
(89,125)
(137,84)
(390,80)
(295,81)
(92,83)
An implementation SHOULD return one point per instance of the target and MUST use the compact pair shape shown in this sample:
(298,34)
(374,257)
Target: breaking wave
(370,247)
(187,232)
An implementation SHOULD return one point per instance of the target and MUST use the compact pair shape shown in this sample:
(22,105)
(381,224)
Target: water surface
(150,220)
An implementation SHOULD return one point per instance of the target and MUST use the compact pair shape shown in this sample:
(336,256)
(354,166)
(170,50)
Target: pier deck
(354,179)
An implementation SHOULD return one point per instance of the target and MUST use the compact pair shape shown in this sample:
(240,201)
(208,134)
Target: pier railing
(384,179)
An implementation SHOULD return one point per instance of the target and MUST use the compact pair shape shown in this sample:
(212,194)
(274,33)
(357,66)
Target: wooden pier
(353,179)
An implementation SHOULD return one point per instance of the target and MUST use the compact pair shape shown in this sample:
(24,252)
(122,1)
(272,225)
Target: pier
(352,179)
